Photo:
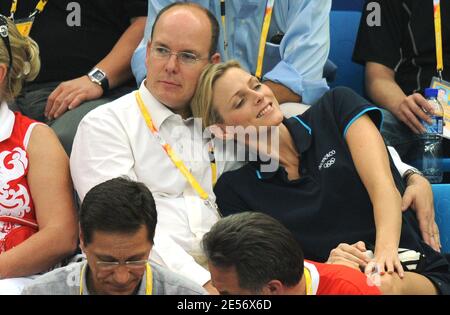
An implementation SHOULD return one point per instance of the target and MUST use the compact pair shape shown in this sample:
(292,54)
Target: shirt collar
(300,131)
(7,119)
(315,277)
(142,284)
(301,134)
(158,111)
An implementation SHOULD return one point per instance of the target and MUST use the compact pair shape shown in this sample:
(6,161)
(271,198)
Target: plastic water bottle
(432,167)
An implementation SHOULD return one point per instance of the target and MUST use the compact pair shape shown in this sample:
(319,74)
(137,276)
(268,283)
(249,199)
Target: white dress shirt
(113,140)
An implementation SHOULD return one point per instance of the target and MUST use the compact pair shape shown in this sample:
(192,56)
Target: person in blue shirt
(296,48)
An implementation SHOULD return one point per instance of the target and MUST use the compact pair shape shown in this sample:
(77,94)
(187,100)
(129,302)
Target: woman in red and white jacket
(38,226)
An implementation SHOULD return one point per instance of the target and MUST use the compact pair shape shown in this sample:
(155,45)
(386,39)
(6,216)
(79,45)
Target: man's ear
(273,287)
(220,131)
(147,52)
(81,238)
(216,58)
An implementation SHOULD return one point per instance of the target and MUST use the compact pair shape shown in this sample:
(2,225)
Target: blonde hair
(25,62)
(202,103)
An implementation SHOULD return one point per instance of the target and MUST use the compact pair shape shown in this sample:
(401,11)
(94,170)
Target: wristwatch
(99,77)
(410,172)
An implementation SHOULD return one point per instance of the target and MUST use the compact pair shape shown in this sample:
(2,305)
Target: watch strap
(410,172)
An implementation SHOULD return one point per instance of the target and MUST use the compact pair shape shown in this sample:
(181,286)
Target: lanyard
(438,34)
(176,160)
(308,281)
(148,279)
(225,37)
(38,9)
(264,33)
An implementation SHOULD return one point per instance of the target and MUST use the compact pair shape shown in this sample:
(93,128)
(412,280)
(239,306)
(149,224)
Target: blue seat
(347,5)
(343,30)
(441,194)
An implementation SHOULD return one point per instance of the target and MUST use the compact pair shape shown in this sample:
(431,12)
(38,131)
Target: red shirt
(329,279)
(17,215)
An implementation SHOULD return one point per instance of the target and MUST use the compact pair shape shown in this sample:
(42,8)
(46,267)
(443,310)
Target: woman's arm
(372,164)
(52,193)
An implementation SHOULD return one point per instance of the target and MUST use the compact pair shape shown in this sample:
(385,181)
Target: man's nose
(172,64)
(121,275)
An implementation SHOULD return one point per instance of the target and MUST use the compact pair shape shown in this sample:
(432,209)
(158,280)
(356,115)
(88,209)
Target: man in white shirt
(115,140)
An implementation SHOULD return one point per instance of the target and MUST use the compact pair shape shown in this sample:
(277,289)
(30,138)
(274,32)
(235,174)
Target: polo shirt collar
(7,119)
(301,134)
(257,165)
(140,291)
(300,131)
(158,111)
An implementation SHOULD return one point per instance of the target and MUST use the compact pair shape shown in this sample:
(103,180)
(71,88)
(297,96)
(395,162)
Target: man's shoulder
(340,279)
(61,281)
(167,282)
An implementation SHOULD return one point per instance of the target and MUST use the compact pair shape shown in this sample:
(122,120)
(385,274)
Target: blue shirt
(297,62)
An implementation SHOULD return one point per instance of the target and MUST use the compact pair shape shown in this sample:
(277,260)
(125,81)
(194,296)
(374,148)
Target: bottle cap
(429,92)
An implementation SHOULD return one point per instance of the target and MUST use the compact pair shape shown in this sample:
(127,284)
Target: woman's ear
(220,131)
(3,72)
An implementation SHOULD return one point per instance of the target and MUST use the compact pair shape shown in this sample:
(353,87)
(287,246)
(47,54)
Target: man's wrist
(409,173)
(99,77)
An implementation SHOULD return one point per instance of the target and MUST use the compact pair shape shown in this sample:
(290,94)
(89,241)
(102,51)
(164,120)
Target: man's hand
(352,256)
(410,111)
(419,197)
(210,288)
(70,94)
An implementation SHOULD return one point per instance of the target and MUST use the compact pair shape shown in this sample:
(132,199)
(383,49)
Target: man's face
(116,247)
(170,80)
(226,281)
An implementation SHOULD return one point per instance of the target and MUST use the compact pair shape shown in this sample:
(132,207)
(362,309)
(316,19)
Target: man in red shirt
(252,253)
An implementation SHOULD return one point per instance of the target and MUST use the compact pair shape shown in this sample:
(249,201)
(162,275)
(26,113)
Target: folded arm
(116,65)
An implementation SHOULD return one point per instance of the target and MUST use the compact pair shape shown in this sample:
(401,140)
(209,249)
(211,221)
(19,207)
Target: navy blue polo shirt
(328,204)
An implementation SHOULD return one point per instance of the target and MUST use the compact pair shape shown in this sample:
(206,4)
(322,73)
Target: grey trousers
(33,99)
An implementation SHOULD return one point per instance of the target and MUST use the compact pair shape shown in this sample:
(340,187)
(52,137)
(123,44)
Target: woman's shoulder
(235,178)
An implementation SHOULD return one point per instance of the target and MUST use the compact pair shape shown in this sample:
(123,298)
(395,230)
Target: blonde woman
(335,182)
(38,226)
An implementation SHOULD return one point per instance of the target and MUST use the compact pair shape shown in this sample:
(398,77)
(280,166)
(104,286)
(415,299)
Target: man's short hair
(119,205)
(215,29)
(258,246)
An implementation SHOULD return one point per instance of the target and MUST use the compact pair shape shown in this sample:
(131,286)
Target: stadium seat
(347,5)
(343,31)
(442,209)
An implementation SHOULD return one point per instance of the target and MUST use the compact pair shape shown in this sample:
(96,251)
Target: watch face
(98,75)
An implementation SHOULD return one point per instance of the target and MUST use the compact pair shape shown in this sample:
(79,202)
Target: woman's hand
(386,260)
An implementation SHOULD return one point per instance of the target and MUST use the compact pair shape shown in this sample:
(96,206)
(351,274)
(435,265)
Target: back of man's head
(258,246)
(215,29)
(118,205)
